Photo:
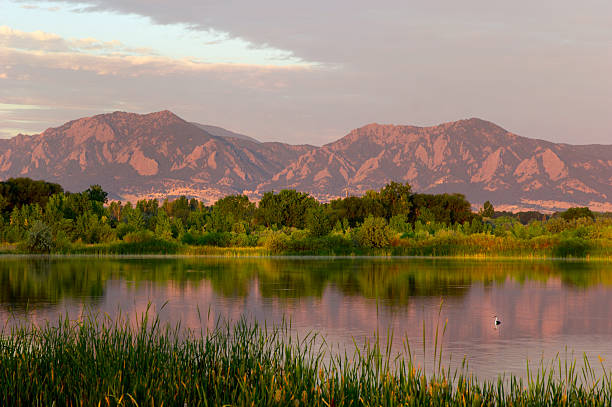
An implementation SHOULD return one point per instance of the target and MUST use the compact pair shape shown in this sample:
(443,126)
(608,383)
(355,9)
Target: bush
(219,239)
(39,238)
(572,247)
(399,224)
(275,241)
(243,240)
(140,236)
(374,233)
(318,221)
(330,244)
(61,242)
(124,229)
(556,225)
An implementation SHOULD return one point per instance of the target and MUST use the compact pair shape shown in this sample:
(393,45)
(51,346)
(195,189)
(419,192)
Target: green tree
(3,203)
(444,208)
(78,204)
(577,213)
(114,210)
(287,208)
(163,226)
(231,210)
(96,193)
(180,209)
(399,224)
(135,219)
(24,191)
(318,221)
(148,208)
(355,209)
(487,210)
(89,228)
(396,199)
(374,232)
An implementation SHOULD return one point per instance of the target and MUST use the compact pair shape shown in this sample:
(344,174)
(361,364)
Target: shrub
(240,227)
(399,224)
(39,238)
(124,229)
(243,240)
(61,242)
(140,236)
(374,232)
(220,239)
(571,247)
(275,241)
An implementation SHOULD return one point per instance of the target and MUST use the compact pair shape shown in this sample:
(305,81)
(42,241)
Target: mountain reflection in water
(545,306)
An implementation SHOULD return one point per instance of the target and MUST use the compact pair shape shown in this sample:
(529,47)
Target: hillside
(159,154)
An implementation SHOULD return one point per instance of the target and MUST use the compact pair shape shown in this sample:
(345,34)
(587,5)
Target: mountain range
(160,155)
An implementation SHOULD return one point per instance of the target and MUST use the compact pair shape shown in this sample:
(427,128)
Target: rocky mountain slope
(152,155)
(159,154)
(474,157)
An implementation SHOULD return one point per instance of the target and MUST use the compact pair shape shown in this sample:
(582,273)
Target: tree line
(41,217)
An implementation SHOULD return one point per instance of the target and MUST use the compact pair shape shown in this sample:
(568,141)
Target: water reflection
(544,306)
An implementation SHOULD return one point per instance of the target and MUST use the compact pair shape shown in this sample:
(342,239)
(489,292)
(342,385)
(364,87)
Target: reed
(99,361)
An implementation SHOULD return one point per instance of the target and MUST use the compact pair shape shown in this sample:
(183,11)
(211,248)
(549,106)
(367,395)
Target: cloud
(40,48)
(50,42)
(540,69)
(35,7)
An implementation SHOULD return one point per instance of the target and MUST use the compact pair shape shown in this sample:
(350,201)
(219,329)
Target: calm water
(545,307)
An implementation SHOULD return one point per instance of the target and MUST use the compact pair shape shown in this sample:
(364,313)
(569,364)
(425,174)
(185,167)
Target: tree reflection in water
(39,281)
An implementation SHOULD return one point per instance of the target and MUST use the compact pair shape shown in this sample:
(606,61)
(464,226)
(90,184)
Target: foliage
(395,199)
(39,238)
(17,192)
(391,220)
(163,226)
(96,193)
(275,241)
(487,211)
(572,247)
(318,222)
(399,223)
(374,232)
(287,208)
(230,210)
(576,213)
(443,208)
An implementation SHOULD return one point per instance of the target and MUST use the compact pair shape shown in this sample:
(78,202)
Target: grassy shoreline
(123,249)
(103,362)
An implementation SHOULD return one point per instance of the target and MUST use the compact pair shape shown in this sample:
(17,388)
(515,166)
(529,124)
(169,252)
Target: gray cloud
(540,69)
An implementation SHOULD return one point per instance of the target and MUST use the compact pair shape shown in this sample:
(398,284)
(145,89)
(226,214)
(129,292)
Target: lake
(545,307)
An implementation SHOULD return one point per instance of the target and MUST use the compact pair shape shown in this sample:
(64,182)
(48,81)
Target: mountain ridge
(160,155)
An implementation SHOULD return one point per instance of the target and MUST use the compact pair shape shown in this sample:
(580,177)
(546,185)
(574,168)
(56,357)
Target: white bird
(497,321)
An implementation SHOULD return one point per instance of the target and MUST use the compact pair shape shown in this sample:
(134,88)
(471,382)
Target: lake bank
(548,252)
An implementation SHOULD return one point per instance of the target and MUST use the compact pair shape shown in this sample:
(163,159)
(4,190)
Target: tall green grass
(98,361)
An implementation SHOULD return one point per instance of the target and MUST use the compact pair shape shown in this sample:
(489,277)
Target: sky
(309,72)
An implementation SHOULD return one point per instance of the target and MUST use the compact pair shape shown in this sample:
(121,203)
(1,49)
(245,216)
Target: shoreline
(231,254)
